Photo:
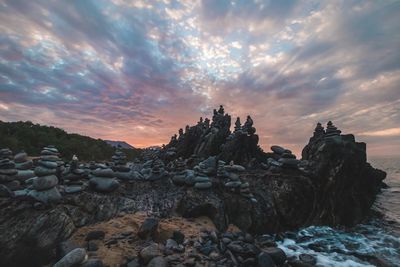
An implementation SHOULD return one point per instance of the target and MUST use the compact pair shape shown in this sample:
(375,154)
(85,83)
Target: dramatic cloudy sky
(139,70)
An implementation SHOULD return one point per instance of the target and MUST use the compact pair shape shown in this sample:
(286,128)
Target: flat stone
(5,191)
(48,164)
(102,184)
(6,178)
(50,158)
(42,171)
(103,173)
(46,196)
(278,150)
(73,258)
(27,165)
(233,184)
(8,171)
(20,157)
(6,166)
(234,168)
(203,186)
(201,179)
(45,182)
(13,185)
(73,189)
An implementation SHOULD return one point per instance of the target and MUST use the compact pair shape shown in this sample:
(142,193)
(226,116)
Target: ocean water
(379,236)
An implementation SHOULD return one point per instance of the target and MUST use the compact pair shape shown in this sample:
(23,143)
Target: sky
(137,71)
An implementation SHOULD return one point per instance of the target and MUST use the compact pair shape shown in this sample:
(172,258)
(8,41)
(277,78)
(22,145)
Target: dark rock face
(345,184)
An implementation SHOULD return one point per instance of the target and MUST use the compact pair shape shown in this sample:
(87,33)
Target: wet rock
(92,263)
(148,229)
(158,262)
(150,252)
(265,260)
(308,259)
(73,258)
(277,255)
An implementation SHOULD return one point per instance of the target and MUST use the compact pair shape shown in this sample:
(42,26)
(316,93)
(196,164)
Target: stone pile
(180,172)
(73,176)
(24,166)
(202,172)
(285,158)
(45,184)
(103,180)
(8,173)
(122,171)
(157,171)
(231,175)
(331,130)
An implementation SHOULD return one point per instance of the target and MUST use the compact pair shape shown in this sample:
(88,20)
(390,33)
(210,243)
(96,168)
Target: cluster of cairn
(103,180)
(122,171)
(24,166)
(202,171)
(45,184)
(230,175)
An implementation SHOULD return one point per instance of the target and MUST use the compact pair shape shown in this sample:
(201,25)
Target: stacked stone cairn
(157,171)
(319,131)
(45,184)
(103,180)
(180,172)
(8,173)
(201,172)
(24,167)
(73,176)
(231,176)
(122,171)
(283,158)
(332,131)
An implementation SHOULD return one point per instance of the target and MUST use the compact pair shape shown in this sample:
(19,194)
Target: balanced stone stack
(201,179)
(180,172)
(24,166)
(157,171)
(103,180)
(8,173)
(45,184)
(232,180)
(331,130)
(221,173)
(122,171)
(319,131)
(73,176)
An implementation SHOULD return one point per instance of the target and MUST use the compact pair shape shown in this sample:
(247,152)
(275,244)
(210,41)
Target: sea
(378,236)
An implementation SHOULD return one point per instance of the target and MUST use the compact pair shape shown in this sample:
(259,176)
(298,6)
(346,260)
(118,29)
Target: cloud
(140,70)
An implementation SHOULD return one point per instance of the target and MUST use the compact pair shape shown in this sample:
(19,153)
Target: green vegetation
(33,137)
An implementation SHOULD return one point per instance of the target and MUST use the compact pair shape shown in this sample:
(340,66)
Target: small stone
(92,263)
(75,257)
(150,252)
(178,236)
(171,244)
(308,259)
(148,228)
(158,262)
(264,260)
(92,246)
(203,186)
(278,150)
(95,235)
(103,173)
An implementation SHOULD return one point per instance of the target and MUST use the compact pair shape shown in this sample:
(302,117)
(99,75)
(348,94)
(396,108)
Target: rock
(308,259)
(150,252)
(133,263)
(95,235)
(45,182)
(42,171)
(277,255)
(92,246)
(73,189)
(158,262)
(93,263)
(171,244)
(203,185)
(103,173)
(24,175)
(65,247)
(5,191)
(73,258)
(264,260)
(178,236)
(278,150)
(103,184)
(48,164)
(148,229)
(46,196)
